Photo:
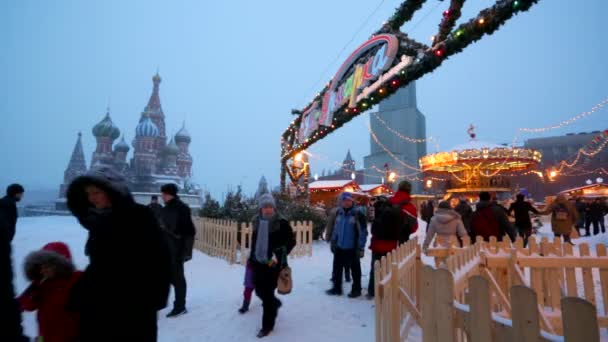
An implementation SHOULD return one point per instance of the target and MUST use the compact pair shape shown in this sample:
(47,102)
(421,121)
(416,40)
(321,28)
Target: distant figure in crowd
(249,287)
(176,221)
(445,223)
(52,275)
(156,207)
(522,210)
(466,213)
(563,217)
(127,279)
(329,230)
(348,242)
(272,241)
(426,212)
(580,207)
(10,315)
(490,219)
(595,213)
(395,219)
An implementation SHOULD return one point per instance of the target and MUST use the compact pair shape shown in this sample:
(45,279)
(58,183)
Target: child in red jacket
(52,274)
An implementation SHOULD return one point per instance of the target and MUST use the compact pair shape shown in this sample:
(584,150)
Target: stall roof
(331,184)
(588,190)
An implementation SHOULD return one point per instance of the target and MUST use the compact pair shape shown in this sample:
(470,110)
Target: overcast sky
(234,70)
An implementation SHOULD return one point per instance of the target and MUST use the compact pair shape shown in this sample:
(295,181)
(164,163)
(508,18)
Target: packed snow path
(215,292)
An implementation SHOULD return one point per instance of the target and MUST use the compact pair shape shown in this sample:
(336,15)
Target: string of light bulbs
(377,141)
(401,136)
(569,121)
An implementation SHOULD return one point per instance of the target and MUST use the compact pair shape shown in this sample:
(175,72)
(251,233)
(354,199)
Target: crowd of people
(135,254)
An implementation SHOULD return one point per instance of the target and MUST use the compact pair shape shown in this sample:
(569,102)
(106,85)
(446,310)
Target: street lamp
(316,176)
(589,182)
(353,176)
(599,180)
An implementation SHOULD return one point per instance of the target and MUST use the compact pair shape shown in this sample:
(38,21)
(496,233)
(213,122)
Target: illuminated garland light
(375,138)
(570,121)
(581,151)
(402,137)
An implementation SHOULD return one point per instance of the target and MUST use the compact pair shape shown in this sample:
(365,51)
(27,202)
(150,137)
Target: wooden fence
(220,238)
(551,270)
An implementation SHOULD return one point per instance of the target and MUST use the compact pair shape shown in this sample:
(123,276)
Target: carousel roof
(476,145)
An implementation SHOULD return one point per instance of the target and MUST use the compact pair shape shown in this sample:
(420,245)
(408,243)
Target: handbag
(285,283)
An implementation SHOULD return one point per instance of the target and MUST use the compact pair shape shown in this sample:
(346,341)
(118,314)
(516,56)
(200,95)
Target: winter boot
(334,292)
(245,307)
(177,312)
(354,294)
(264,333)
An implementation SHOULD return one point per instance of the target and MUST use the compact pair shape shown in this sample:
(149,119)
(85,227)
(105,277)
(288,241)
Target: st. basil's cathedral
(154,161)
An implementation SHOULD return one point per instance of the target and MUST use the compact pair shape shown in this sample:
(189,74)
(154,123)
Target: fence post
(427,305)
(479,323)
(579,318)
(444,305)
(395,303)
(524,313)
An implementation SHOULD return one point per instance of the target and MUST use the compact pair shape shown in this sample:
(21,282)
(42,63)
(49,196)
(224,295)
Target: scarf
(261,242)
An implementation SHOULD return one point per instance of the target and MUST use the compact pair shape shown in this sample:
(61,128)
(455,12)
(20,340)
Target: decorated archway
(389,60)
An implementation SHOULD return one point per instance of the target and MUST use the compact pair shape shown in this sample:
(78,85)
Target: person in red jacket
(52,274)
(383,238)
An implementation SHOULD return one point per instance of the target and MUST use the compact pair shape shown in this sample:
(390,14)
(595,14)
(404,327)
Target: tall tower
(76,167)
(348,166)
(398,118)
(184,159)
(105,133)
(155,111)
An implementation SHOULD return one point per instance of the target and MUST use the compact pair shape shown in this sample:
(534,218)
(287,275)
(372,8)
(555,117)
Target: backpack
(561,213)
(485,224)
(390,223)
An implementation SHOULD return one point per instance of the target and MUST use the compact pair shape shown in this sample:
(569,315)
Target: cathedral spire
(77,166)
(154,107)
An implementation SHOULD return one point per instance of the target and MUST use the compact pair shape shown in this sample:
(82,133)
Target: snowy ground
(215,292)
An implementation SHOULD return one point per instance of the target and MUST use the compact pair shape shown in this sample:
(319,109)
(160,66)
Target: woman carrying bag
(272,241)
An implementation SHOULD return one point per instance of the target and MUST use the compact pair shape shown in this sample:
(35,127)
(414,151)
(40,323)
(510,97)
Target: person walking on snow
(10,315)
(156,207)
(348,242)
(249,287)
(127,279)
(329,230)
(490,219)
(445,223)
(466,213)
(563,217)
(521,208)
(271,242)
(176,221)
(53,275)
(389,231)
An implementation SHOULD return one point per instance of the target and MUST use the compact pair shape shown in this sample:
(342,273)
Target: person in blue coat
(348,244)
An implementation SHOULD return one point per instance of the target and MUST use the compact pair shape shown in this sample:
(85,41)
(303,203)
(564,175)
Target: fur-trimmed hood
(105,178)
(54,254)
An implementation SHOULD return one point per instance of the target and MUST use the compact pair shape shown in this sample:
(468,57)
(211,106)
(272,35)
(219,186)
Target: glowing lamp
(298,157)
(392,176)
(481,21)
(599,180)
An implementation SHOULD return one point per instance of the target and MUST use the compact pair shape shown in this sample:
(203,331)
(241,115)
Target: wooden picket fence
(220,238)
(419,295)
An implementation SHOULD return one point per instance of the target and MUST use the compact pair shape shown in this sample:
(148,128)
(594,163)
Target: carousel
(477,166)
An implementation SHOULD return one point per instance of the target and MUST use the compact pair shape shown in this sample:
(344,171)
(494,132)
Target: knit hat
(266,200)
(169,189)
(346,196)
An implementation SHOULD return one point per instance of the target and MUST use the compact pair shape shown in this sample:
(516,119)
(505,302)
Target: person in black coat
(272,241)
(127,279)
(522,210)
(176,221)
(10,315)
(156,207)
(466,213)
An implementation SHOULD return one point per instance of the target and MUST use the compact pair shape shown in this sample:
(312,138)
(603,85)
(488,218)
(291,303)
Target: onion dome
(146,128)
(106,128)
(171,148)
(182,135)
(122,146)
